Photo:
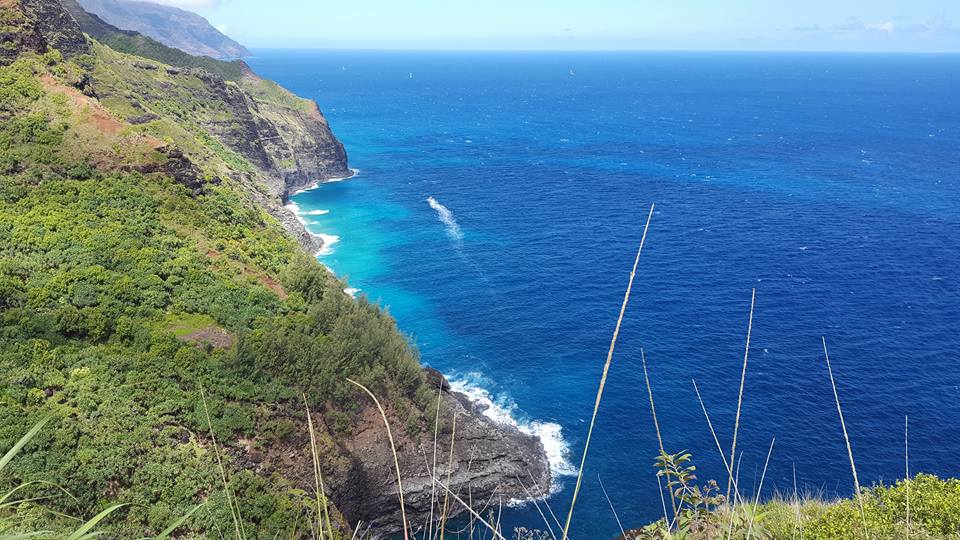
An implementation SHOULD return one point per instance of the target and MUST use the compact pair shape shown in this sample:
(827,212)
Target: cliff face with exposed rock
(228,132)
(490,463)
(267,137)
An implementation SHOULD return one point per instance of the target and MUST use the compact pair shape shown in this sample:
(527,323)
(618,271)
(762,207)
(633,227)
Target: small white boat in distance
(411,75)
(572,74)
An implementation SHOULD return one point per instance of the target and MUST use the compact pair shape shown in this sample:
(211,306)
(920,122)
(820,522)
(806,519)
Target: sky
(803,25)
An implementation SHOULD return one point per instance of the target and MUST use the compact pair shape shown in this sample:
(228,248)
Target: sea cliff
(207,154)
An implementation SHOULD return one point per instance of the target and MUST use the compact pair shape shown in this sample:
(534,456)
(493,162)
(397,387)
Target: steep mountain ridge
(171,26)
(279,141)
(143,260)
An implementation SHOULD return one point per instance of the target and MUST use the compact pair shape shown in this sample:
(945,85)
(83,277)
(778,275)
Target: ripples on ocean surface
(828,182)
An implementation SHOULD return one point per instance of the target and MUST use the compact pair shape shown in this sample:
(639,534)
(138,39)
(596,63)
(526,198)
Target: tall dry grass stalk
(846,438)
(473,513)
(726,464)
(453,438)
(612,509)
(656,427)
(433,486)
(323,512)
(796,504)
(536,504)
(396,460)
(906,461)
(743,379)
(234,506)
(603,378)
(756,498)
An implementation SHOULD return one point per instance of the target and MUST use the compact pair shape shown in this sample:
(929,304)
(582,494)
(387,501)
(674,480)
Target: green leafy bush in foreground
(934,512)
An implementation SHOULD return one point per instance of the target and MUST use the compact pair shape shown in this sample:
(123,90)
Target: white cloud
(885,26)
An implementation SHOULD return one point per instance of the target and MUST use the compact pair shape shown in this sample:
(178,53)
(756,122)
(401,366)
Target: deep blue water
(827,182)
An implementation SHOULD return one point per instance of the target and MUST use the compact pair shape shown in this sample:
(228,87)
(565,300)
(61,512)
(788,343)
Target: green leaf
(22,442)
(84,531)
(175,525)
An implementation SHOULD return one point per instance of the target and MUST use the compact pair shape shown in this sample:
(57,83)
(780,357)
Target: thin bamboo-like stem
(234,511)
(453,437)
(656,422)
(603,378)
(396,460)
(472,518)
(546,502)
(318,477)
(356,530)
(612,509)
(756,499)
(433,487)
(796,502)
(716,440)
(846,437)
(472,512)
(743,379)
(906,461)
(663,501)
(537,505)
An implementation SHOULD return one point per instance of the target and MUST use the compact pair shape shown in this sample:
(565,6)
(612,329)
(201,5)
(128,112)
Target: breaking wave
(503,410)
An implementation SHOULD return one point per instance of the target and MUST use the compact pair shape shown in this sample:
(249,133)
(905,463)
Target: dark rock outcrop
(58,28)
(491,463)
(38,26)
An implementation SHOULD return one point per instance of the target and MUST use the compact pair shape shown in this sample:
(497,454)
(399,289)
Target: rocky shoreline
(289,146)
(491,464)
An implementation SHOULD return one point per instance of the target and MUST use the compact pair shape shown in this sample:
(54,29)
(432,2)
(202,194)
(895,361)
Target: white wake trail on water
(446,217)
(456,234)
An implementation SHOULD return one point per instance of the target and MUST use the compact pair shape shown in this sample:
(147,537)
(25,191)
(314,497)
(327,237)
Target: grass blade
(853,466)
(176,524)
(396,460)
(22,442)
(603,378)
(743,379)
(84,531)
(656,426)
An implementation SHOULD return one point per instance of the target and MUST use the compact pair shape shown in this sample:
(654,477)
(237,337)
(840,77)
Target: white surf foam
(353,174)
(351,292)
(294,208)
(315,185)
(446,216)
(328,241)
(504,411)
(316,212)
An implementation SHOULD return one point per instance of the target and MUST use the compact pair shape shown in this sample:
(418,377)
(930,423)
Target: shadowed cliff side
(275,141)
(135,194)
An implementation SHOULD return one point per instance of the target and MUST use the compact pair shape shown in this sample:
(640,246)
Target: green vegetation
(148,48)
(934,512)
(108,269)
(136,44)
(161,336)
(271,92)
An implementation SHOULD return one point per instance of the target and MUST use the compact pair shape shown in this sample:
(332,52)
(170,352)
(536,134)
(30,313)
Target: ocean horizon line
(537,51)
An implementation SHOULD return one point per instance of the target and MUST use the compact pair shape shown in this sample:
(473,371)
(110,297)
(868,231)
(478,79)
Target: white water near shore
(315,185)
(501,408)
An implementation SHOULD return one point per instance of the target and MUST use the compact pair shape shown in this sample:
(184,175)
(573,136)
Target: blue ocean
(501,198)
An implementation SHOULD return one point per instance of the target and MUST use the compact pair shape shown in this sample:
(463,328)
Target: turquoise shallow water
(826,182)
